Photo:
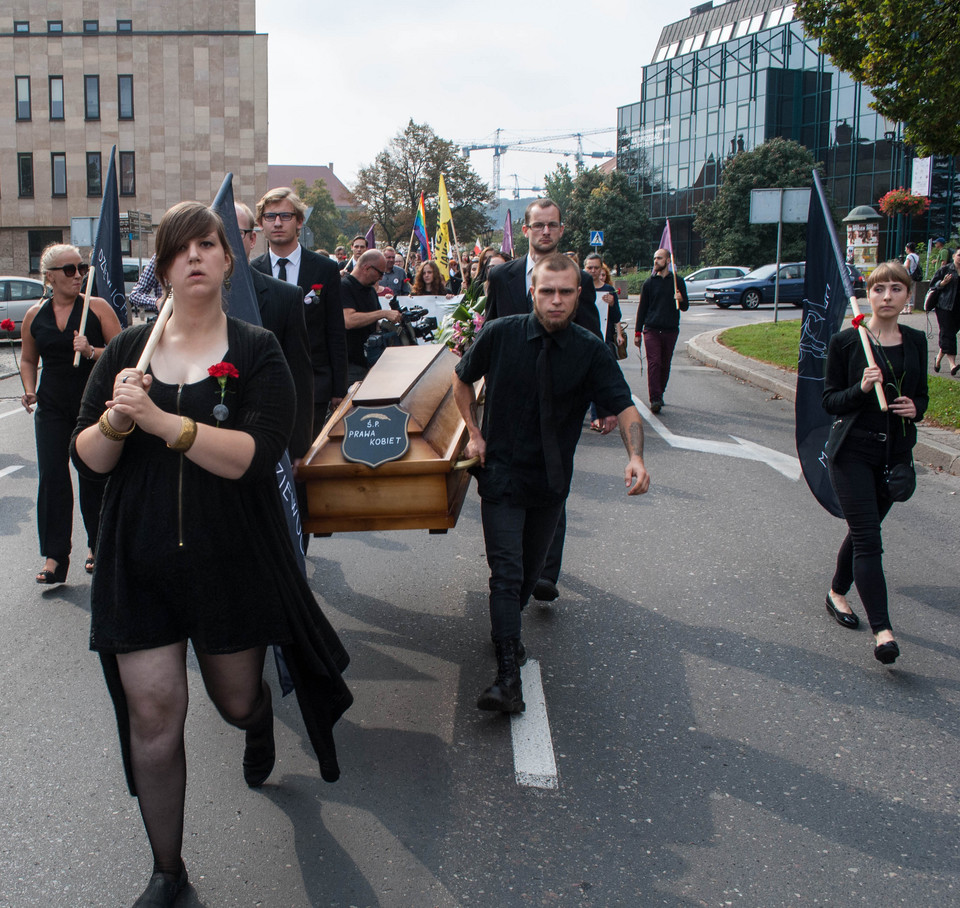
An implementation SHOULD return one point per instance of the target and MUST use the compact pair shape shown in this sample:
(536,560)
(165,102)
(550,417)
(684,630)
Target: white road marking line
(785,464)
(6,471)
(11,412)
(533,760)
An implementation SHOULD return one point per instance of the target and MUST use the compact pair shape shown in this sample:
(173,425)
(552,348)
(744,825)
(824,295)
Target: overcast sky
(531,68)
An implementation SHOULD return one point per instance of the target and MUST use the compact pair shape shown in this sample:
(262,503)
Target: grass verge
(777,344)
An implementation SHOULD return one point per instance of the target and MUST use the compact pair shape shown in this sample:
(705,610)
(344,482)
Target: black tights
(857,476)
(155,685)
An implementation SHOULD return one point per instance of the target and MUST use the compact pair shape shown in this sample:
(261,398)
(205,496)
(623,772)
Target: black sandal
(88,564)
(58,575)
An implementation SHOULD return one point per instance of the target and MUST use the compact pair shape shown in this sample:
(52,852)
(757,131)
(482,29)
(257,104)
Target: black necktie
(548,427)
(282,268)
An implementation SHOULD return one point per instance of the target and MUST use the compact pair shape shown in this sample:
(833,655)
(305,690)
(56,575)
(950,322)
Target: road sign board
(596,237)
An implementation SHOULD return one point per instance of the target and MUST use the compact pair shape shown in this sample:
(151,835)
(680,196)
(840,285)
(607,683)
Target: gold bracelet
(110,432)
(187,436)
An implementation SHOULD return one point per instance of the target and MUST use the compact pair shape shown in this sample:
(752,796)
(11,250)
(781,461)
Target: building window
(124,25)
(755,24)
(697,42)
(713,37)
(25,174)
(91,97)
(37,241)
(726,32)
(54,26)
(672,50)
(94,173)
(56,97)
(788,14)
(125,97)
(21,28)
(685,47)
(773,18)
(661,54)
(23,97)
(128,173)
(91,26)
(58,173)
(742,27)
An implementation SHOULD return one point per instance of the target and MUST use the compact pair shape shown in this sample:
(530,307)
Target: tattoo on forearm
(632,436)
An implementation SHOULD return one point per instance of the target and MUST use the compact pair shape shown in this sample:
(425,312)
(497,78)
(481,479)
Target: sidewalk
(936,448)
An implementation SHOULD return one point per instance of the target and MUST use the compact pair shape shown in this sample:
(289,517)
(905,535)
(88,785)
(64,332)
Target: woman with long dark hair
(193,538)
(51,335)
(945,301)
(865,442)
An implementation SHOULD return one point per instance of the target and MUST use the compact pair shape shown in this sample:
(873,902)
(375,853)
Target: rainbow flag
(420,229)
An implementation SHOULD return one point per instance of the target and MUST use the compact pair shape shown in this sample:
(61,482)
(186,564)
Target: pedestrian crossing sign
(596,237)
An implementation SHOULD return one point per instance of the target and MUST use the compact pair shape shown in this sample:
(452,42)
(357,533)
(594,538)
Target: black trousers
(55,489)
(551,567)
(516,540)
(857,476)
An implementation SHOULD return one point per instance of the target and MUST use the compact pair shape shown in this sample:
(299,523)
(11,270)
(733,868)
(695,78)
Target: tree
(324,220)
(592,200)
(389,188)
(905,52)
(724,222)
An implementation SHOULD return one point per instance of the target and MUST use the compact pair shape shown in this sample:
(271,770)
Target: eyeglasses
(71,269)
(246,231)
(271,216)
(539,227)
(375,268)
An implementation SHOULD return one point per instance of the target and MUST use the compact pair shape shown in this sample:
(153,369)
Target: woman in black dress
(51,335)
(945,301)
(864,440)
(193,542)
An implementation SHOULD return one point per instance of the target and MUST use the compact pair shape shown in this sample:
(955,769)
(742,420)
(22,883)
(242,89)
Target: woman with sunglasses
(51,334)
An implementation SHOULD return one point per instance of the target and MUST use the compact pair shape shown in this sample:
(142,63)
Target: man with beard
(541,373)
(662,298)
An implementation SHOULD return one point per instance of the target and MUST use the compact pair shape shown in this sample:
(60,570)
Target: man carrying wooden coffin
(541,373)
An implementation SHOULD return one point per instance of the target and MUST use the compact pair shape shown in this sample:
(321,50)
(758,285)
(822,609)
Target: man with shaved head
(362,309)
(662,298)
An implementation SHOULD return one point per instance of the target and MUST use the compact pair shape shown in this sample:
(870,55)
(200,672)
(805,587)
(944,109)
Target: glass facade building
(728,78)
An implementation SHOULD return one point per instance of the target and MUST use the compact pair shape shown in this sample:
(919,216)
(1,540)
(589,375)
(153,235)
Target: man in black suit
(281,311)
(508,293)
(280,213)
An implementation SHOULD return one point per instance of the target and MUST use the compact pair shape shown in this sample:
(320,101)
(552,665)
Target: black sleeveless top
(60,389)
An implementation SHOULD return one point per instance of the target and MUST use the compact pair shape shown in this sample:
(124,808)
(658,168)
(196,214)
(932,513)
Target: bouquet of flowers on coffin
(460,327)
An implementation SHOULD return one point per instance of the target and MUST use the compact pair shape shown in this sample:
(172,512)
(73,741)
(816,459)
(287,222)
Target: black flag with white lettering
(107,257)
(827,293)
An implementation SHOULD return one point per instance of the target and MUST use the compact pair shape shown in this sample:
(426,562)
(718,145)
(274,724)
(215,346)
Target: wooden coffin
(420,490)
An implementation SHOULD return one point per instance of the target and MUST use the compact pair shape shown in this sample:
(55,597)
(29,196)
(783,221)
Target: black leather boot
(260,752)
(505,694)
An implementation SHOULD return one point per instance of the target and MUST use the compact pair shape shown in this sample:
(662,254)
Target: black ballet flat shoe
(162,890)
(936,365)
(886,652)
(844,619)
(955,369)
(59,575)
(89,564)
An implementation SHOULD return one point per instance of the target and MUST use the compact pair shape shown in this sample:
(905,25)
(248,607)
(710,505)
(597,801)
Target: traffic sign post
(596,238)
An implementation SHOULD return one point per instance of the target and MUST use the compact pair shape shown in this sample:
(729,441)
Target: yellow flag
(441,241)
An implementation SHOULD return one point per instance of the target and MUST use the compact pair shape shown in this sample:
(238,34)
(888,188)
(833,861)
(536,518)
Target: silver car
(698,282)
(17,295)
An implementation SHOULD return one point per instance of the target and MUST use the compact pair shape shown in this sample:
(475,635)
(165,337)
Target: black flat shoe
(162,890)
(936,366)
(886,652)
(845,619)
(88,565)
(58,575)
(955,369)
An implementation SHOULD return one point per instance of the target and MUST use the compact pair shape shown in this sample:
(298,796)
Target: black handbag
(901,478)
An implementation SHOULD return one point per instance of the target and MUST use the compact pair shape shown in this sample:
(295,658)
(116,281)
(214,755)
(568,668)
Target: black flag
(242,302)
(827,293)
(107,256)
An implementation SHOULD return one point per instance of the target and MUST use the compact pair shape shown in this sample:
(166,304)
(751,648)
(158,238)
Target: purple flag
(371,238)
(507,244)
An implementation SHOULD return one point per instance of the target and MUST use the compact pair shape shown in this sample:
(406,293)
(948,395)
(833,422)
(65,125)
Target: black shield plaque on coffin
(375,435)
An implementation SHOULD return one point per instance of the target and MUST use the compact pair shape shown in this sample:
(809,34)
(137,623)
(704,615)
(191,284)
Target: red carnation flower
(857,320)
(8,324)
(316,288)
(223,370)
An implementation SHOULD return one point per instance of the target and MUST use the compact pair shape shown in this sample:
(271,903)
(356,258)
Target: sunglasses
(71,270)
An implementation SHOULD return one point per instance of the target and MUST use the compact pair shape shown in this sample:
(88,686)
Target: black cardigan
(842,395)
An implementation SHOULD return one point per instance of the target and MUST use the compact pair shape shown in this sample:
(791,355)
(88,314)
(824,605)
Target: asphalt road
(718,739)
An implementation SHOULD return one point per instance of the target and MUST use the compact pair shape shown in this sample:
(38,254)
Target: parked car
(17,295)
(131,273)
(698,282)
(857,281)
(758,287)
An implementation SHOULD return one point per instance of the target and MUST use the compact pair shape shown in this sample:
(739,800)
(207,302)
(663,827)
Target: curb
(935,448)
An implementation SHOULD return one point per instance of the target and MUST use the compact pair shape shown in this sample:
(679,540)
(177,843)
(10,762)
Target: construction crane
(499,148)
(517,188)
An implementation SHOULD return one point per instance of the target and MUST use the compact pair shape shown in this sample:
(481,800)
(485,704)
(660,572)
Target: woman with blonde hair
(51,335)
